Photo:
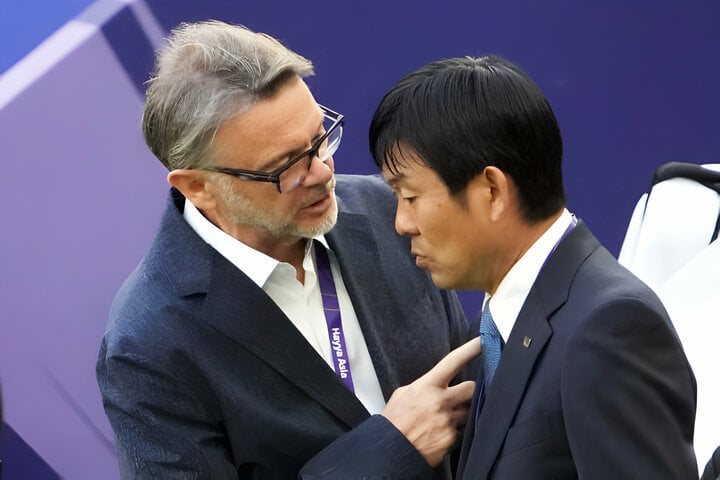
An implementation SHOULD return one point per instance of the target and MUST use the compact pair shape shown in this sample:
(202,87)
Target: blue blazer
(712,469)
(203,376)
(593,382)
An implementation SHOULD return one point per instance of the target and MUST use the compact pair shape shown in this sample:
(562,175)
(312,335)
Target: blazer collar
(527,340)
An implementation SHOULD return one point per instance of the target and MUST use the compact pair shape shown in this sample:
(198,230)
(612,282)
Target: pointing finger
(447,368)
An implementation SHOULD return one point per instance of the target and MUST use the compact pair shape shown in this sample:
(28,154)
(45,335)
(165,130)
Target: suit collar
(514,288)
(553,284)
(526,342)
(179,252)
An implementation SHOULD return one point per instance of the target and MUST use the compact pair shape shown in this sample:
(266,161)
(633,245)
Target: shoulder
(356,192)
(596,294)
(169,280)
(601,280)
(141,308)
(609,309)
(157,305)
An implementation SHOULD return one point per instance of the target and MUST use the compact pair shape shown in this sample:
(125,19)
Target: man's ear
(492,187)
(193,185)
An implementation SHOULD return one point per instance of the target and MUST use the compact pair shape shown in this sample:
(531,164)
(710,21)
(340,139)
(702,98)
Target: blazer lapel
(525,344)
(238,308)
(361,266)
(511,377)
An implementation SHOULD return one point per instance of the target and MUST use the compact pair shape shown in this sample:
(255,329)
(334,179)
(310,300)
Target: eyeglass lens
(295,175)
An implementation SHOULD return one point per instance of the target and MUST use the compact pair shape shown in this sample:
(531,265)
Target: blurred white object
(671,243)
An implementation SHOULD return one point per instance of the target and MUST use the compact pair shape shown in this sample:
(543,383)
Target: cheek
(440,223)
(452,235)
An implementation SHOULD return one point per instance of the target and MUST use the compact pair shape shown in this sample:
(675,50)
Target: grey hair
(207,73)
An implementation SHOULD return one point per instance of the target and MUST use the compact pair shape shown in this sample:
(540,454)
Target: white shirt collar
(251,262)
(515,286)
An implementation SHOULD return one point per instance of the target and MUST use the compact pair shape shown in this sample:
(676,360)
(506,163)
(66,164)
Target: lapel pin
(526,342)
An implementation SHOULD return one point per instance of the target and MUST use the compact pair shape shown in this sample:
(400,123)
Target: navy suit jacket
(593,382)
(712,469)
(203,376)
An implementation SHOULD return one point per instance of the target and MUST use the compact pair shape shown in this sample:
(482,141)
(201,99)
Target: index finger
(452,363)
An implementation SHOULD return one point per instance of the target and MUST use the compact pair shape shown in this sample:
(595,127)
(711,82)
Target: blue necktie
(492,344)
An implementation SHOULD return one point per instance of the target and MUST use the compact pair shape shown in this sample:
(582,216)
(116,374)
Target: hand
(429,412)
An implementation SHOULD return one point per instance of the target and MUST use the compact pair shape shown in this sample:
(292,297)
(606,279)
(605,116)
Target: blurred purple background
(633,86)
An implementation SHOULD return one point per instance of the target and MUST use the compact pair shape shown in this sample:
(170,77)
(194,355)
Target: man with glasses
(251,337)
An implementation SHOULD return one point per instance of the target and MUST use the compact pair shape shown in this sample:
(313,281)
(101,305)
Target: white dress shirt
(515,286)
(301,303)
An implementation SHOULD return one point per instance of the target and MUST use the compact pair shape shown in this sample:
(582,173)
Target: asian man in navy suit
(582,374)
(277,313)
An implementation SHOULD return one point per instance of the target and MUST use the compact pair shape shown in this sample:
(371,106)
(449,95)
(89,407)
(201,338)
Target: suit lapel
(525,344)
(241,310)
(510,380)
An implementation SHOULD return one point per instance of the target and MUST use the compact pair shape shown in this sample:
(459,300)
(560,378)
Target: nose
(404,223)
(321,172)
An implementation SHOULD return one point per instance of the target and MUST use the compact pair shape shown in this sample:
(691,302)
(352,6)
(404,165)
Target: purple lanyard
(341,360)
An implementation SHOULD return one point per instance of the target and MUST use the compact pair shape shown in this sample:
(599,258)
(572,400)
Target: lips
(319,201)
(420,259)
(323,192)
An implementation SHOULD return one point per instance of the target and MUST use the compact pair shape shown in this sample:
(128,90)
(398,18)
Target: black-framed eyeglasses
(290,175)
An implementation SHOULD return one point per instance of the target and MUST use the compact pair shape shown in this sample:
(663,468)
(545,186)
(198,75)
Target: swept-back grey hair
(207,73)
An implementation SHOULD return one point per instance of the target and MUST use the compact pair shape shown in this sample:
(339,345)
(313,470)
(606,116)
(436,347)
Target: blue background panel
(24,24)
(634,85)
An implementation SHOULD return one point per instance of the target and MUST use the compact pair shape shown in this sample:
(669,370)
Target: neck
(526,235)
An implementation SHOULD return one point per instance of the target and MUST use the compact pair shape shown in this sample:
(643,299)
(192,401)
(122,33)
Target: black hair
(461,115)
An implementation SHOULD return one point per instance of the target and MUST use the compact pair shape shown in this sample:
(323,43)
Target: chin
(442,281)
(324,225)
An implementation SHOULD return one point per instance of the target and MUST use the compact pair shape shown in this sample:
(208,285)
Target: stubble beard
(244,211)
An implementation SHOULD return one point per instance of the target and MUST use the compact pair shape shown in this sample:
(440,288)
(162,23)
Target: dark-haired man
(582,374)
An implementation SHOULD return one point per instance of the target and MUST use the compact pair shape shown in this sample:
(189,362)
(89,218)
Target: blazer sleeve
(374,449)
(183,441)
(628,395)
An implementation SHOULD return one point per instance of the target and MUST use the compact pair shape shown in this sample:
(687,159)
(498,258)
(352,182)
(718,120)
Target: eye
(404,194)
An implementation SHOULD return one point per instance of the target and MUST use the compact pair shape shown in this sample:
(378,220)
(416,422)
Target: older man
(252,336)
